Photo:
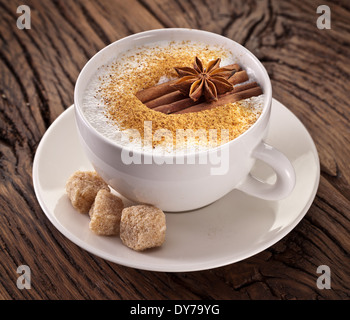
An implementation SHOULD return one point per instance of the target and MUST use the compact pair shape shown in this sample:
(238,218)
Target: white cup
(182,186)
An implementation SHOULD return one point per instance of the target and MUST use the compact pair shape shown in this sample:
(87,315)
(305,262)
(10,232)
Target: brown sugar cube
(142,227)
(105,214)
(82,187)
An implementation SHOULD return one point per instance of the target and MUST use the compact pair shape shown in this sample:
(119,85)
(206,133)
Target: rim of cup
(150,33)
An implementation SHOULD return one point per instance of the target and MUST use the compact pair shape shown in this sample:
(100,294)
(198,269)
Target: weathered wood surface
(310,72)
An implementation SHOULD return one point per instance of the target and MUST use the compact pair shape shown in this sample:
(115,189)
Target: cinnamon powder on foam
(145,68)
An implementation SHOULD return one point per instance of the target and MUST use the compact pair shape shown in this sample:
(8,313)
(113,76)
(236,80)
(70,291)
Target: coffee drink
(169,121)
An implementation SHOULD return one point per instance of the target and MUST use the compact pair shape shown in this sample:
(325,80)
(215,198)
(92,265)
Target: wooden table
(310,73)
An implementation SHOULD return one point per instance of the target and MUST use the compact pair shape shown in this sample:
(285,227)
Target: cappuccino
(112,107)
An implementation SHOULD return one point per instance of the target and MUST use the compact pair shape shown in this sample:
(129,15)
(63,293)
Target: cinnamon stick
(239,77)
(179,105)
(227,98)
(165,99)
(154,92)
(175,101)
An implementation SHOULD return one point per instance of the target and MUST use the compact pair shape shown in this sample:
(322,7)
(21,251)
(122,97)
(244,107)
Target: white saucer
(229,230)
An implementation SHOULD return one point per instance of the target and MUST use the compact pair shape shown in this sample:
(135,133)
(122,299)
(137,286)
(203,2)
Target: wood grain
(310,73)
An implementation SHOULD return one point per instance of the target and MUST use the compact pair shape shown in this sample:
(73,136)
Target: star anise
(199,81)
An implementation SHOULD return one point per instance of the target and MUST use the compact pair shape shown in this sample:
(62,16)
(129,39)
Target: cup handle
(283,168)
